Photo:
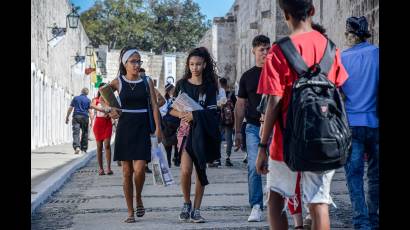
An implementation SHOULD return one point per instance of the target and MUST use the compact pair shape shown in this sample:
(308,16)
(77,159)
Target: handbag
(150,113)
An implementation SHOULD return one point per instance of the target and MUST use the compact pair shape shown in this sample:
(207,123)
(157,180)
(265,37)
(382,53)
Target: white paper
(185,103)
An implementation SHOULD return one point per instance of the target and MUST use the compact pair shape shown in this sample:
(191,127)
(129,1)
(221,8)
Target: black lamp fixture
(89,50)
(72,20)
(100,63)
(79,58)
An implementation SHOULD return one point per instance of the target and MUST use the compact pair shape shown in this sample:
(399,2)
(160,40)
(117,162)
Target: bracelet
(261,145)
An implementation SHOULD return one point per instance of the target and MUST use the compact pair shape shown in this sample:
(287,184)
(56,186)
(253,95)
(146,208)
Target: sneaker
(307,222)
(218,162)
(147,170)
(77,150)
(256,214)
(228,162)
(196,216)
(186,209)
(245,160)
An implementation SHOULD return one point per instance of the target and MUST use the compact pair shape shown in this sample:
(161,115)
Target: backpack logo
(324,108)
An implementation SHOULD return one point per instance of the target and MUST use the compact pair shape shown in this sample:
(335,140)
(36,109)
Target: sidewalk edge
(57,179)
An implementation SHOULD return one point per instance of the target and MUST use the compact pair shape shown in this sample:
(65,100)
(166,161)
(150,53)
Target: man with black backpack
(311,134)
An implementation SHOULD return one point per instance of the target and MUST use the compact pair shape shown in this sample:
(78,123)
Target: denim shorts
(315,185)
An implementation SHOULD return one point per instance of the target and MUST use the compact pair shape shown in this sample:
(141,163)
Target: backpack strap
(292,55)
(328,57)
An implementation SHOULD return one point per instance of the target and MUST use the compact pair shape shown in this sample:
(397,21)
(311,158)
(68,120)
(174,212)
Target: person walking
(199,143)
(247,101)
(81,120)
(361,61)
(132,139)
(102,131)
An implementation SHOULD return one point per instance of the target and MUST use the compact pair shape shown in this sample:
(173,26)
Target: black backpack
(317,135)
(227,111)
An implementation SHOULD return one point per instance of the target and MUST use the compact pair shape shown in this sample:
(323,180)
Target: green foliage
(160,25)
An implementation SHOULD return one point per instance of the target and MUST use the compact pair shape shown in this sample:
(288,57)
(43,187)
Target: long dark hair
(121,68)
(208,75)
(98,91)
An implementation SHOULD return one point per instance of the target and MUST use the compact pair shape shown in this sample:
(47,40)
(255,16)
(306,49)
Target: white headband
(127,55)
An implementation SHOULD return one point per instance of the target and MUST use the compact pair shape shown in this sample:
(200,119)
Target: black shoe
(228,162)
(185,213)
(245,160)
(218,162)
(147,170)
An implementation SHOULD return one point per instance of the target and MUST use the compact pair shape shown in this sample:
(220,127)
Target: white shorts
(315,186)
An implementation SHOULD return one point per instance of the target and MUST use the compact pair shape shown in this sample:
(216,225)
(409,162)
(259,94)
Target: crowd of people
(252,117)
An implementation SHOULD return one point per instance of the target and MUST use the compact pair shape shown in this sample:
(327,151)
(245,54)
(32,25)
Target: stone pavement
(89,201)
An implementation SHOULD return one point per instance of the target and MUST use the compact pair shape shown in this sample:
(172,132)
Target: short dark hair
(142,70)
(260,40)
(223,81)
(299,9)
(319,28)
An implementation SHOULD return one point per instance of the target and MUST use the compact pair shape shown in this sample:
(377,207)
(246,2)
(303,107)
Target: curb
(57,179)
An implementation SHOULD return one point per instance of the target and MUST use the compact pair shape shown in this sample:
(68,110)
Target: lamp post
(89,50)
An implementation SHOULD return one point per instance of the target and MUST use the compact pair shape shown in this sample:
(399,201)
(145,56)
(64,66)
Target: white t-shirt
(221,97)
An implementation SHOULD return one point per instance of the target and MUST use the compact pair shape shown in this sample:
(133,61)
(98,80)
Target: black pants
(80,123)
(168,149)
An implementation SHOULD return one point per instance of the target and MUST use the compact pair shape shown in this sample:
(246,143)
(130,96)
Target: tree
(160,25)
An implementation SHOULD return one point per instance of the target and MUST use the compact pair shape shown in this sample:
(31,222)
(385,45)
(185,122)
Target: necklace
(132,88)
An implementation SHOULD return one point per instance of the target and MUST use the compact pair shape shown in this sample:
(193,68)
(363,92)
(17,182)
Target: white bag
(160,170)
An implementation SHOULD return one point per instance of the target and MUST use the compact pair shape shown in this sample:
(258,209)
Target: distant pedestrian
(170,126)
(132,138)
(81,120)
(227,118)
(102,131)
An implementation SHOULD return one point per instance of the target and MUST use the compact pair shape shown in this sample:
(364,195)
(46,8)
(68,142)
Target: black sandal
(140,211)
(130,219)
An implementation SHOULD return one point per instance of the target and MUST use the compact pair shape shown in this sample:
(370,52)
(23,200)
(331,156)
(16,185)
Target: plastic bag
(160,170)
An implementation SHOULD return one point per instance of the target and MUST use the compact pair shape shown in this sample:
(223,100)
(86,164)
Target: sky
(210,8)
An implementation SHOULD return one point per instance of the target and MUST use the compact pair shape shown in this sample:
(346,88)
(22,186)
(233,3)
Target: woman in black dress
(132,140)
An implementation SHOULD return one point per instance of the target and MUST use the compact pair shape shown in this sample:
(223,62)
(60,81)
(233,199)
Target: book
(108,94)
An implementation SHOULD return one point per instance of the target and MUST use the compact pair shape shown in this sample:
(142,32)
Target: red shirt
(277,77)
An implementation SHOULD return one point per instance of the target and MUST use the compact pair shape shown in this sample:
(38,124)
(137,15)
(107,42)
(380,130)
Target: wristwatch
(261,145)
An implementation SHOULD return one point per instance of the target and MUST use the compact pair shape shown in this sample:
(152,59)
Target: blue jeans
(364,140)
(254,179)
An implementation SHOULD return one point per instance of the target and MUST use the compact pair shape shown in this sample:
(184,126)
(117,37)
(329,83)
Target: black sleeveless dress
(132,139)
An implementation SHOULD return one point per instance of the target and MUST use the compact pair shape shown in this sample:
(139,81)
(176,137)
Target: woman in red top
(102,132)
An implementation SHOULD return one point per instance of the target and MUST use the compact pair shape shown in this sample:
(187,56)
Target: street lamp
(73,18)
(89,50)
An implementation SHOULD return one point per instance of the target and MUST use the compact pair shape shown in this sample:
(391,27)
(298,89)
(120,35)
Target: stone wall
(53,80)
(333,14)
(251,18)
